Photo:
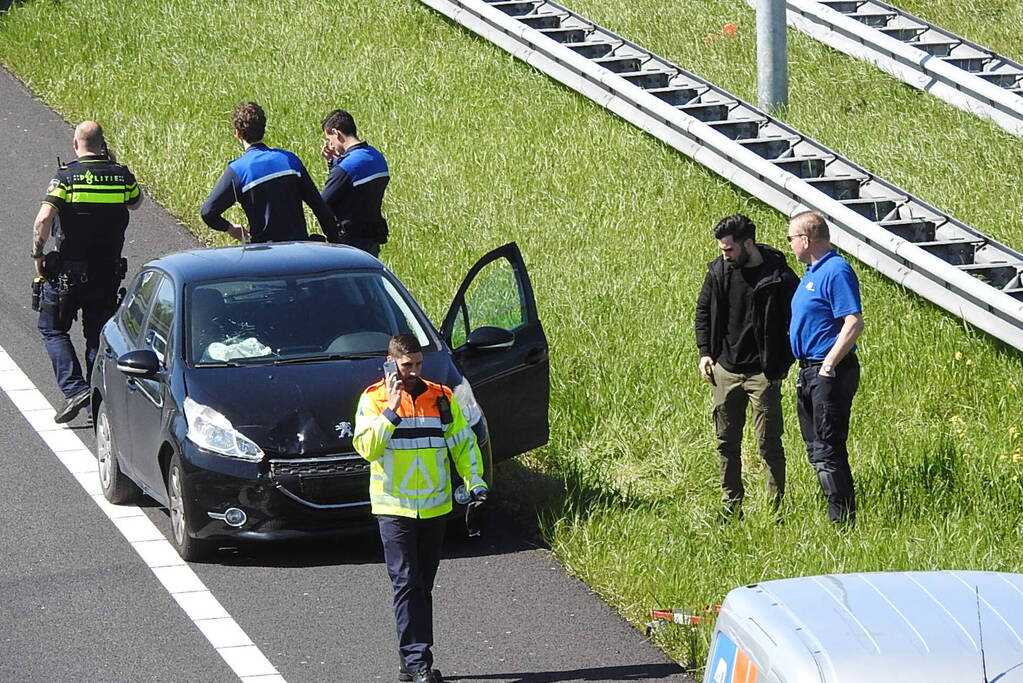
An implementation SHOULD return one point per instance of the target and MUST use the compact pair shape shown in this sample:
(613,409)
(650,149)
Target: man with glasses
(742,317)
(827,319)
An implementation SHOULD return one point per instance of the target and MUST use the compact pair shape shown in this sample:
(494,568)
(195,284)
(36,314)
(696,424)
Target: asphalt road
(78,604)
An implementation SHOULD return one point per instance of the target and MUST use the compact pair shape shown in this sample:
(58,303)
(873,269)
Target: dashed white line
(187,589)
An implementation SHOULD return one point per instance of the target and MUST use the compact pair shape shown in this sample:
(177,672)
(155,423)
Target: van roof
(887,626)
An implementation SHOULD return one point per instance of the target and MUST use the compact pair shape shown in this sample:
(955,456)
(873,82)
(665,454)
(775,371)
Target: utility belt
(66,276)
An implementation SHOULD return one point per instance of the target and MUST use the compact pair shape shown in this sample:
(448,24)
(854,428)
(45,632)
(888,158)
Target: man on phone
(357,176)
(410,429)
(742,317)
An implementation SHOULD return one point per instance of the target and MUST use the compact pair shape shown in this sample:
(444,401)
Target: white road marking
(187,589)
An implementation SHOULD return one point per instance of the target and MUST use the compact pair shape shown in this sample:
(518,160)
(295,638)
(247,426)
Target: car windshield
(296,319)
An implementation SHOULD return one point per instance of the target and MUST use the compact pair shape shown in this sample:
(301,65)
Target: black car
(227,382)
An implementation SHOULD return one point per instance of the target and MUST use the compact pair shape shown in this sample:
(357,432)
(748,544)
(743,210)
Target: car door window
(137,303)
(495,298)
(157,334)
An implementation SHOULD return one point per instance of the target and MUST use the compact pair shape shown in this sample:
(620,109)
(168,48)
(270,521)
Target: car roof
(925,625)
(262,260)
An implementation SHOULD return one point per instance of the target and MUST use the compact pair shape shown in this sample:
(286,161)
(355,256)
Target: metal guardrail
(913,243)
(964,74)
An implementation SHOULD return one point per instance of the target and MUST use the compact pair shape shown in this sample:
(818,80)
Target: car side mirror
(489,338)
(141,363)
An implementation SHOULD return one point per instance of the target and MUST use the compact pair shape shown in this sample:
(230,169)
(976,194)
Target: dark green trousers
(731,395)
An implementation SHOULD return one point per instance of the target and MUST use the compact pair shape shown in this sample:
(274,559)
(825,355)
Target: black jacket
(772,311)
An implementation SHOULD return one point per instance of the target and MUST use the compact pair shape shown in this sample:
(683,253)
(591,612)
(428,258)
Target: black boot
(72,407)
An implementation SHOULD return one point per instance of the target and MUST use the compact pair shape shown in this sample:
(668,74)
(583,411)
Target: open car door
(494,331)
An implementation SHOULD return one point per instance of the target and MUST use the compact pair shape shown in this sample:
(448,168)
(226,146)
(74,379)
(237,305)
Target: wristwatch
(828,369)
(37,254)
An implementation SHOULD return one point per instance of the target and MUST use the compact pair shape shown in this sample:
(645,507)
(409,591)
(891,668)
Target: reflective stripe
(417,443)
(363,181)
(58,193)
(461,436)
(387,465)
(87,197)
(421,422)
(278,174)
(119,187)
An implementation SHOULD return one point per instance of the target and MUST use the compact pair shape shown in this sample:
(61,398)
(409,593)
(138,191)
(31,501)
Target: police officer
(357,176)
(270,184)
(91,197)
(410,429)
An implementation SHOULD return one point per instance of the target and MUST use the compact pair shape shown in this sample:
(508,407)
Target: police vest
(91,196)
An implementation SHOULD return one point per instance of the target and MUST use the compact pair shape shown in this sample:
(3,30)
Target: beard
(741,258)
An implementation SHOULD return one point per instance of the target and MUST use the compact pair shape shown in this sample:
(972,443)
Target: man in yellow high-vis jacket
(409,429)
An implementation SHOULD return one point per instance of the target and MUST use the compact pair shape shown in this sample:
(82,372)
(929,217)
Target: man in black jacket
(742,319)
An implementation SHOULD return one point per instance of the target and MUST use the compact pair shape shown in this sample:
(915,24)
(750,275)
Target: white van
(898,627)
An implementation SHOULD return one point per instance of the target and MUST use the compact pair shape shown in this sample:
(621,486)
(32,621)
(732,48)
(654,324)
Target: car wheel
(190,549)
(117,488)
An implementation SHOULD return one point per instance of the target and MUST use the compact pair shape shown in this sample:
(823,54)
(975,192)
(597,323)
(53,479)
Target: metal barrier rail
(908,240)
(925,56)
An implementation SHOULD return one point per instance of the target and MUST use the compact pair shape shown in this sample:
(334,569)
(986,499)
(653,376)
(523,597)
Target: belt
(807,363)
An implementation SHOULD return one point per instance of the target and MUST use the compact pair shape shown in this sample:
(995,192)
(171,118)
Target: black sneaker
(427,676)
(72,407)
(404,675)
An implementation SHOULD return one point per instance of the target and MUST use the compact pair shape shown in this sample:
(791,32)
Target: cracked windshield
(297,319)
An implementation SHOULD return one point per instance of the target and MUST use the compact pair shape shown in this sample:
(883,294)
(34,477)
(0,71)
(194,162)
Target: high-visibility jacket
(408,451)
(92,195)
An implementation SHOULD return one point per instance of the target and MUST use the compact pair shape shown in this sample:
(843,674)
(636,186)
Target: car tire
(190,549)
(117,487)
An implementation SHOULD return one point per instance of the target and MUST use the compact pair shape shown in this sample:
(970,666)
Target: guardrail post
(772,55)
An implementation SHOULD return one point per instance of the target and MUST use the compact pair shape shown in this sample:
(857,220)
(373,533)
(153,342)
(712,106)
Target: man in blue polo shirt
(827,319)
(357,176)
(270,184)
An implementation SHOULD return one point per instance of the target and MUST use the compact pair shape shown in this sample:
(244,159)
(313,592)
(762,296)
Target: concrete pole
(772,55)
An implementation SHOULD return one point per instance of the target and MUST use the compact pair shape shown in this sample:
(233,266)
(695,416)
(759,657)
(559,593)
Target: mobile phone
(390,368)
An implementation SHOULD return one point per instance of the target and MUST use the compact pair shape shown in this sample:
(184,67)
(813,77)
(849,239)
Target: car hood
(303,410)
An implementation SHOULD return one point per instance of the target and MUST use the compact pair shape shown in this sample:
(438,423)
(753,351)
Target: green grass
(615,228)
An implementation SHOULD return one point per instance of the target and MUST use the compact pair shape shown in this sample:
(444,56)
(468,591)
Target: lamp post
(772,55)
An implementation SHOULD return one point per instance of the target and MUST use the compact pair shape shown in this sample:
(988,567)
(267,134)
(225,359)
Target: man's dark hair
(340,120)
(249,120)
(813,223)
(403,344)
(738,227)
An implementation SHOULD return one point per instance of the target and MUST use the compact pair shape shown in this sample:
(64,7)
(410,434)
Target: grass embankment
(616,230)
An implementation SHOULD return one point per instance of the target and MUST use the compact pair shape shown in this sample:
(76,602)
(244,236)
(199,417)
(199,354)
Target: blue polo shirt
(828,292)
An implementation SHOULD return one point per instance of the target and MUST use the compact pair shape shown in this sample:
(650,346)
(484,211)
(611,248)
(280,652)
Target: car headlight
(211,431)
(467,401)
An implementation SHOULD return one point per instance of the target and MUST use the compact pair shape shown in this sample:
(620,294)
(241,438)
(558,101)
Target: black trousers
(369,246)
(97,301)
(412,549)
(824,405)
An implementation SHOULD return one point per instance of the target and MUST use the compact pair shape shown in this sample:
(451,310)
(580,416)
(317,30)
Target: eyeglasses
(789,238)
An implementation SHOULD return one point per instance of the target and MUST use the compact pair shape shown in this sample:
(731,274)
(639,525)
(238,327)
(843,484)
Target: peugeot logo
(343,429)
